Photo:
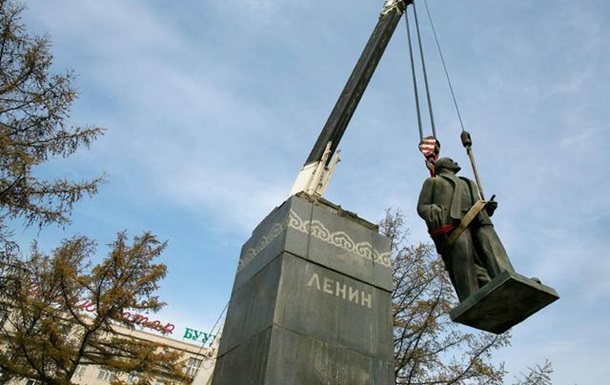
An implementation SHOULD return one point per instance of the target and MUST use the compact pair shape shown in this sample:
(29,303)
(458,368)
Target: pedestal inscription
(311,302)
(340,290)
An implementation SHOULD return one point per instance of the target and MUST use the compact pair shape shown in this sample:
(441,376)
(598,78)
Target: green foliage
(34,108)
(49,332)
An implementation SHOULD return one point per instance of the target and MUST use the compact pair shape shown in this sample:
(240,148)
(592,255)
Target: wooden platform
(504,302)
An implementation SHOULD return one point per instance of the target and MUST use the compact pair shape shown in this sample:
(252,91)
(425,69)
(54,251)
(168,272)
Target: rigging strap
(470,215)
(430,147)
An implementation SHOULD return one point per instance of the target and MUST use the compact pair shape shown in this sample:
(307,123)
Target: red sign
(134,318)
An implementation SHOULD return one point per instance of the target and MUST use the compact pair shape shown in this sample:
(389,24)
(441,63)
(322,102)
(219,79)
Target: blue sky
(211,108)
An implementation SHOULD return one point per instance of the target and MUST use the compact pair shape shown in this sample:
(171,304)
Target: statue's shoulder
(443,179)
(435,182)
(431,180)
(468,181)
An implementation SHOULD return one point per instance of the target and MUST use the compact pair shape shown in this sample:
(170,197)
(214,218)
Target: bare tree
(537,375)
(429,348)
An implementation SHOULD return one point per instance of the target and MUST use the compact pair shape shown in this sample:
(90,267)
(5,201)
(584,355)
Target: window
(3,316)
(133,378)
(80,370)
(192,366)
(106,375)
(64,328)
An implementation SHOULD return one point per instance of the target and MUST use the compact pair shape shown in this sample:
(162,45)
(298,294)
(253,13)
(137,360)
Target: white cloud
(239,199)
(212,107)
(580,140)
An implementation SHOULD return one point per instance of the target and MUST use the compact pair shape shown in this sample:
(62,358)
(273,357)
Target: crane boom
(316,171)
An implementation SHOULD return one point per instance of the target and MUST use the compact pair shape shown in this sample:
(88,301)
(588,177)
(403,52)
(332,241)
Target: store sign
(134,318)
(196,335)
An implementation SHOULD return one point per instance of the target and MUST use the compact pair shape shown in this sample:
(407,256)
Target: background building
(199,360)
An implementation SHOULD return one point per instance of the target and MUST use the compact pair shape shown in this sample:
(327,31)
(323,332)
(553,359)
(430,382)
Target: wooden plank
(504,302)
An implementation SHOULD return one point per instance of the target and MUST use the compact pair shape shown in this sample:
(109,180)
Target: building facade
(199,360)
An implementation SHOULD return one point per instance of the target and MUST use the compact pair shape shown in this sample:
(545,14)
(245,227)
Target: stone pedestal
(311,302)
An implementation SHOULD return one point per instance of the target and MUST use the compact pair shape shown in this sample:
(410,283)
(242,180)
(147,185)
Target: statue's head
(446,164)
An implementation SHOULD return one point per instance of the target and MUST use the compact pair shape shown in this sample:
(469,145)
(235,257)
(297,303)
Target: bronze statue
(460,226)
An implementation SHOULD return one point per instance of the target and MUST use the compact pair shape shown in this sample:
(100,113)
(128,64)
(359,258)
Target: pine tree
(34,128)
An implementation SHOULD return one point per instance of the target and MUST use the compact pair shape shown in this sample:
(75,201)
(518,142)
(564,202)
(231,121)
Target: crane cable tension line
(430,145)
